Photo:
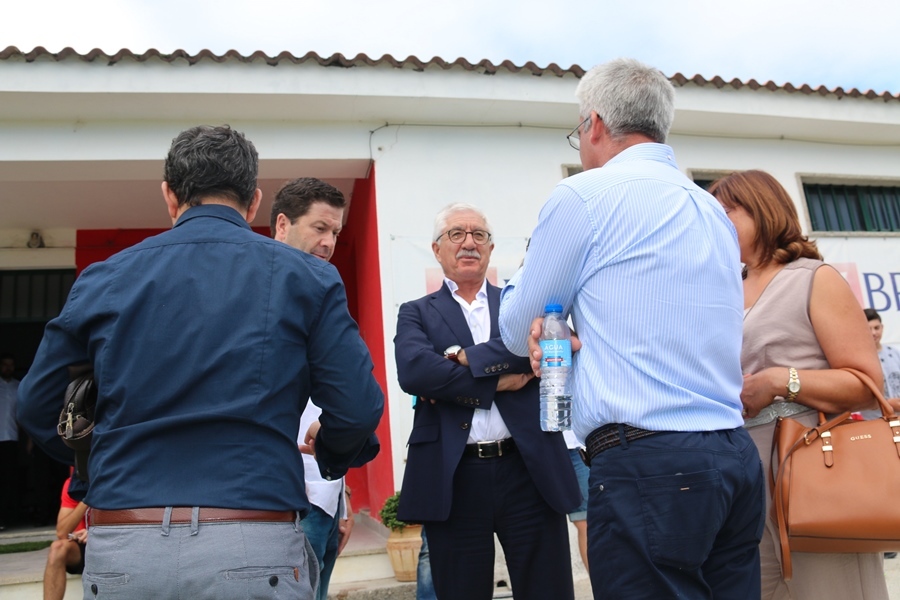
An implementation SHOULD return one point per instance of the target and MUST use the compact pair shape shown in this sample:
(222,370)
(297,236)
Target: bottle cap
(553,308)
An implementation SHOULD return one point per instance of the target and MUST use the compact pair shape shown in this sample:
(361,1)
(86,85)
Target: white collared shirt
(320,492)
(487,425)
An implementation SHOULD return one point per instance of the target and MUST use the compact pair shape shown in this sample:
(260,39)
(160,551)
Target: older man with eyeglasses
(478,463)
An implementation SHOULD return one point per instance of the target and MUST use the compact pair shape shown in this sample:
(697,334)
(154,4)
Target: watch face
(794,387)
(452,351)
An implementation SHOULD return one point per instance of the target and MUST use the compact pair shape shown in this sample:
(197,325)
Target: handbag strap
(778,497)
(887,410)
(778,500)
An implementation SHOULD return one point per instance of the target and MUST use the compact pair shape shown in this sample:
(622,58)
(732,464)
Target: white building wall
(84,142)
(507,172)
(792,163)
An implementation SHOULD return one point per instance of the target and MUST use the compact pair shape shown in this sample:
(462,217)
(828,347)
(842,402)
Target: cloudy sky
(846,43)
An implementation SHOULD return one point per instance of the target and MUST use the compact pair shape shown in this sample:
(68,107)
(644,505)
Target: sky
(845,43)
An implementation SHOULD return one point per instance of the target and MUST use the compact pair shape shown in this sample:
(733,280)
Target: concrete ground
(397,591)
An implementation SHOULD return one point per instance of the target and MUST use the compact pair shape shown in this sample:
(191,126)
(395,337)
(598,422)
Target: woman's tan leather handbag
(838,484)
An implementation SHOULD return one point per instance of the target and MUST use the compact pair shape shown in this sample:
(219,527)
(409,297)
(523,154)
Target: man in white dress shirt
(478,462)
(308,215)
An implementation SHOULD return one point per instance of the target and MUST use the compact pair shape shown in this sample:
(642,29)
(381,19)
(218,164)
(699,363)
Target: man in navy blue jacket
(206,341)
(478,462)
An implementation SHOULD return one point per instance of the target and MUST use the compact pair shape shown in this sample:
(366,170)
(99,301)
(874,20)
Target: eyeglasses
(458,236)
(575,137)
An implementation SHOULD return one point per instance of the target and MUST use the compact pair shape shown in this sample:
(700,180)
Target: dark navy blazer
(425,328)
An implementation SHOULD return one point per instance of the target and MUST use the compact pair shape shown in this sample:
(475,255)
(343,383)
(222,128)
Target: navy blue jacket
(425,328)
(207,340)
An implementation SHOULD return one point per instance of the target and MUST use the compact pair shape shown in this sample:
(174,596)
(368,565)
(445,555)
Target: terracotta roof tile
(417,64)
(679,79)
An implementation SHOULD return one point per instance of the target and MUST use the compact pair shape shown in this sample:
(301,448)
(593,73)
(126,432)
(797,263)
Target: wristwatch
(793,385)
(453,353)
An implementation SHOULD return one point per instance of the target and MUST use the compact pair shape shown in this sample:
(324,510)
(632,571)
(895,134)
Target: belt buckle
(482,445)
(585,457)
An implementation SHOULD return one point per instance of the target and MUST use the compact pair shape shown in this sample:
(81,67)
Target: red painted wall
(94,245)
(356,257)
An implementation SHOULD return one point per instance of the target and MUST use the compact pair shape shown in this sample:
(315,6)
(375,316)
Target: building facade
(84,137)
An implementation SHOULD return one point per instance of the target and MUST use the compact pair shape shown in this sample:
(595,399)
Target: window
(853,207)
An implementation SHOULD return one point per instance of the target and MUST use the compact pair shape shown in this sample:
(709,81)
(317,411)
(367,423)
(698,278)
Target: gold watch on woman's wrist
(793,385)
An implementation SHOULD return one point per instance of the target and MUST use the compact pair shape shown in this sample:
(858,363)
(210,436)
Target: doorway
(32,480)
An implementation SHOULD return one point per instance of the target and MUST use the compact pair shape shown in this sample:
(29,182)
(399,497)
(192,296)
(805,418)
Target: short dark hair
(296,196)
(207,161)
(872,315)
(7,356)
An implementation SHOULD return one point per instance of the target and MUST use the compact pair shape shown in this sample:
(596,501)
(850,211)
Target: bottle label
(556,353)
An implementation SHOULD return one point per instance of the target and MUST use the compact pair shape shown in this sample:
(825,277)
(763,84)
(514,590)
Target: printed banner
(871,265)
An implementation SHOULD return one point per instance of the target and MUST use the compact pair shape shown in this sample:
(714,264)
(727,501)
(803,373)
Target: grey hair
(630,97)
(440,221)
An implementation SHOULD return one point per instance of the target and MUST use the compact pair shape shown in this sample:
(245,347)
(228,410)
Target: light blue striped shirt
(648,265)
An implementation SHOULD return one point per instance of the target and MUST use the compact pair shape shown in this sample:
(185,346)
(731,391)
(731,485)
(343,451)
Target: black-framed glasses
(575,137)
(458,236)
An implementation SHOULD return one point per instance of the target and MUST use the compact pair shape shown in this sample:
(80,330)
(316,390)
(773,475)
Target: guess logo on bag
(854,438)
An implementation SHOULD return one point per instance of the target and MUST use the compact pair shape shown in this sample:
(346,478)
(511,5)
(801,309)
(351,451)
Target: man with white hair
(478,462)
(648,265)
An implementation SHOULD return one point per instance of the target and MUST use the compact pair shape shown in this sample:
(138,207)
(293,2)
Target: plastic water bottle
(556,346)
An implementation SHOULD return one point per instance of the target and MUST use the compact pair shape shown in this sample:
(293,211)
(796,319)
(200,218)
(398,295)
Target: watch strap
(793,382)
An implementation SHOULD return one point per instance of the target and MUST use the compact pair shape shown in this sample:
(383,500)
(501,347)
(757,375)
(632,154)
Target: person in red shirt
(67,552)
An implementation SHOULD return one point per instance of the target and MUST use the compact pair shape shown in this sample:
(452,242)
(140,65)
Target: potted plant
(404,542)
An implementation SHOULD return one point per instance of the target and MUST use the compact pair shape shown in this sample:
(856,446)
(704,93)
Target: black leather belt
(610,436)
(490,449)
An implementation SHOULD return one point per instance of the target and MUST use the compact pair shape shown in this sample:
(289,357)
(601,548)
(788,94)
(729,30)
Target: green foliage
(23,547)
(388,513)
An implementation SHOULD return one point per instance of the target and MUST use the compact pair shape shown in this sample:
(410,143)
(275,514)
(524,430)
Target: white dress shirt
(322,493)
(487,425)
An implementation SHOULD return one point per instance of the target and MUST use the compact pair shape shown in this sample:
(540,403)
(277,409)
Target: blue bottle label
(556,353)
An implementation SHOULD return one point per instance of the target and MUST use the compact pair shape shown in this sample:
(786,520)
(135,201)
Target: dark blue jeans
(677,515)
(321,530)
(424,584)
